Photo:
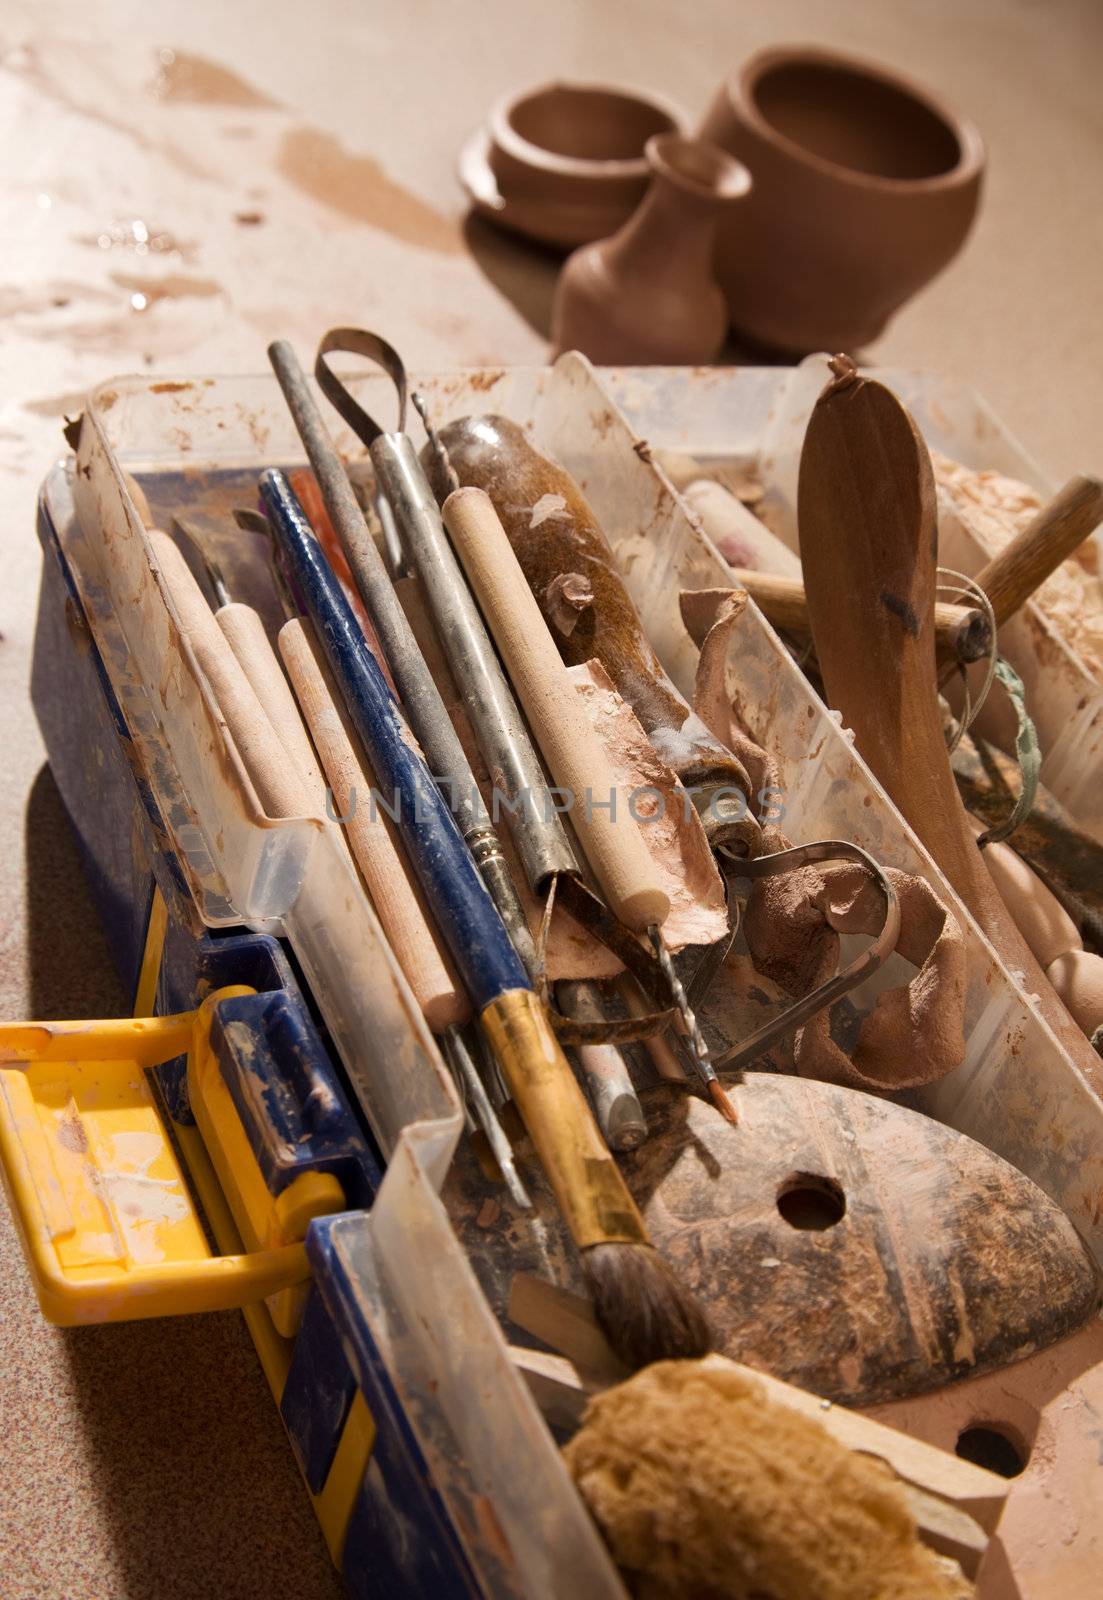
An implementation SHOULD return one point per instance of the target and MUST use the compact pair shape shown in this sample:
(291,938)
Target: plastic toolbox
(290,1121)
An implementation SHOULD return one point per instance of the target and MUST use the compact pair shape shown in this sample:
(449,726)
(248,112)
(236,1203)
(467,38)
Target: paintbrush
(645,1311)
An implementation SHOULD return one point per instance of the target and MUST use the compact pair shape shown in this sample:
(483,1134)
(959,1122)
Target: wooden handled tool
(572,573)
(279,786)
(248,639)
(398,903)
(960,632)
(644,1310)
(868,537)
(610,838)
(1049,538)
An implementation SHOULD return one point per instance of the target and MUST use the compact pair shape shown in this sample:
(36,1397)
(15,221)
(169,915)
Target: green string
(1026,748)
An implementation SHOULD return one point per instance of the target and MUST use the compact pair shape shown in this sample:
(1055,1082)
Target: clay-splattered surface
(182,183)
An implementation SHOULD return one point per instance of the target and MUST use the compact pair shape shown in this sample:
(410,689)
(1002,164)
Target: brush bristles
(644,1311)
(720,1099)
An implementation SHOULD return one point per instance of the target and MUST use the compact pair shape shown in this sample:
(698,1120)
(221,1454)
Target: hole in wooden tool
(986,1445)
(810,1202)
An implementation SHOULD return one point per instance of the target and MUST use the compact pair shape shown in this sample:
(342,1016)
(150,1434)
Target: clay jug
(865,186)
(648,293)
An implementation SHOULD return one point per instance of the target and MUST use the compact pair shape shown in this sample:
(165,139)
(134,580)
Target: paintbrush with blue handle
(645,1311)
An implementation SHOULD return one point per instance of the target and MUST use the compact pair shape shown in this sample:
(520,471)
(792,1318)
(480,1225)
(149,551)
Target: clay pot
(647,294)
(865,186)
(564,162)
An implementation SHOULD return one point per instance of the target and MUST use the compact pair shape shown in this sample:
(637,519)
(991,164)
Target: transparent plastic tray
(1017,1091)
(761,416)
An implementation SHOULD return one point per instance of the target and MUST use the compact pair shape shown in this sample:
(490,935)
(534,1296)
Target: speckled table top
(182,183)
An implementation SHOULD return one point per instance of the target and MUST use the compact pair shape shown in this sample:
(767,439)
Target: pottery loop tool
(421,701)
(864,965)
(542,844)
(646,1312)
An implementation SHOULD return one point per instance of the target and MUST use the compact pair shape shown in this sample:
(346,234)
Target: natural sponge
(703,1486)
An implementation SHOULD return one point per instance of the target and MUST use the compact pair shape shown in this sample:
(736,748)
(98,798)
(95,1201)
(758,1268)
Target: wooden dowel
(574,754)
(397,899)
(657,1045)
(249,641)
(1049,538)
(279,788)
(960,631)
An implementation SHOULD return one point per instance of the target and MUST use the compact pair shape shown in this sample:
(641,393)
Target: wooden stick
(248,639)
(279,788)
(960,631)
(657,1045)
(1049,538)
(575,755)
(398,902)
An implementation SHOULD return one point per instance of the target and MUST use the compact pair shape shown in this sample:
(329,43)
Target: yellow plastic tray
(109,1226)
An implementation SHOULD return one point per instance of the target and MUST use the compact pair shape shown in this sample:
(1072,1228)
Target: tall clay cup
(648,292)
(865,186)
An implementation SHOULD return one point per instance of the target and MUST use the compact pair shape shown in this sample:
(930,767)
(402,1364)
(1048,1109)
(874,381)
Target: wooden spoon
(869,549)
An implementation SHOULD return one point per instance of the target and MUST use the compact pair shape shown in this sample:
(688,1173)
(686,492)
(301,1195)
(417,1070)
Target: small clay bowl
(865,186)
(564,162)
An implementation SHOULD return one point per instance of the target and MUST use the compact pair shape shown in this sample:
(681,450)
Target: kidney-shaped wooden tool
(835,1239)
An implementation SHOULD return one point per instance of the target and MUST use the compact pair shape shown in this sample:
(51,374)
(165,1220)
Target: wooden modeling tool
(575,757)
(960,633)
(1049,538)
(531,814)
(868,537)
(609,836)
(646,1312)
